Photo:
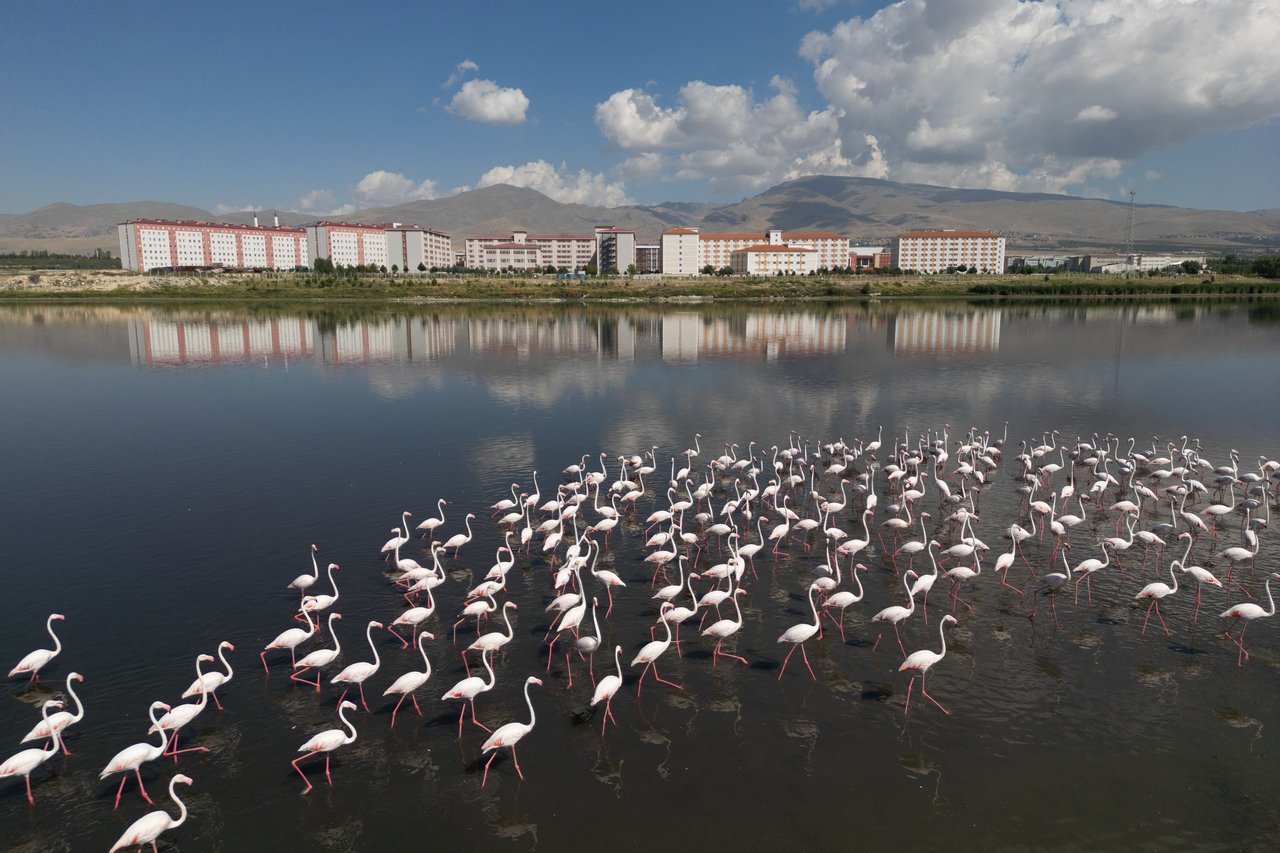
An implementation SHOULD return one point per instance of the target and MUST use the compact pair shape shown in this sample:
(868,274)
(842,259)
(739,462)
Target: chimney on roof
(255,219)
(277,218)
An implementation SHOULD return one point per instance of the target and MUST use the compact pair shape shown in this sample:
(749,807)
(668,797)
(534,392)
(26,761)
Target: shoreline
(119,285)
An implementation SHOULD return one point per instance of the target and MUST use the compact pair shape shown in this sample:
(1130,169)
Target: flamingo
(413,617)
(291,639)
(214,680)
(361,671)
(510,734)
(33,662)
(327,741)
(922,660)
(406,684)
(324,601)
(654,649)
(924,583)
(180,715)
(587,645)
(1156,591)
(1053,581)
(667,593)
(318,658)
(457,540)
(844,598)
(304,581)
(1087,568)
(798,634)
(896,613)
(427,526)
(60,720)
(723,629)
(494,640)
(133,757)
(146,829)
(1248,611)
(608,686)
(477,609)
(680,615)
(1004,562)
(396,541)
(610,580)
(24,762)
(468,689)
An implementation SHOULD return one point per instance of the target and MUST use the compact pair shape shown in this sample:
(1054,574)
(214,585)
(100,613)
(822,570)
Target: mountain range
(868,211)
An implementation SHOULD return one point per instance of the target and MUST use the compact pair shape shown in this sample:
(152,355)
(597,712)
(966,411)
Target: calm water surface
(167,470)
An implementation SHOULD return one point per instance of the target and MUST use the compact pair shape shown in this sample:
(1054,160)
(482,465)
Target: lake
(167,470)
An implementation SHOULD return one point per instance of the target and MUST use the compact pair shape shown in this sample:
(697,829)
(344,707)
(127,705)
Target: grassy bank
(61,285)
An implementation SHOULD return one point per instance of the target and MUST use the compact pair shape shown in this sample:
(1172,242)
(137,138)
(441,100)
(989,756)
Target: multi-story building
(416,250)
(570,251)
(831,250)
(680,252)
(938,251)
(774,257)
(870,258)
(347,244)
(615,249)
(648,258)
(148,244)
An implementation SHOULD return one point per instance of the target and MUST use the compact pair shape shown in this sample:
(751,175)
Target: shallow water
(167,471)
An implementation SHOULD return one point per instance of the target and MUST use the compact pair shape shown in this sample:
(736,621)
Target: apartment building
(148,244)
(938,251)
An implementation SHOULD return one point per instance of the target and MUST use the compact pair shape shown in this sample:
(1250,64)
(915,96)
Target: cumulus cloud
(317,201)
(1040,95)
(224,209)
(722,134)
(560,184)
(486,101)
(385,188)
(815,5)
(462,69)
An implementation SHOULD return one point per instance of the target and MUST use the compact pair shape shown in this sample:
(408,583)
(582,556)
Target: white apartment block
(148,244)
(573,252)
(767,259)
(831,250)
(347,245)
(680,255)
(615,249)
(936,251)
(411,246)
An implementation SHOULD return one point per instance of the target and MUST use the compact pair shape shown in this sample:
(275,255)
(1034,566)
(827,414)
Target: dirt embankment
(53,281)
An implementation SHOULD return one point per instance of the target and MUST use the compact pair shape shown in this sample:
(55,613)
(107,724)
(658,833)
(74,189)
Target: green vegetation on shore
(374,287)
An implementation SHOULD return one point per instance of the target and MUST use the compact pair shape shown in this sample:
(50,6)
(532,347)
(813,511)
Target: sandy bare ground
(53,281)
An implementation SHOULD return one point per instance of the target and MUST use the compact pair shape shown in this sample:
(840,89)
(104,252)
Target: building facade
(411,247)
(148,244)
(831,250)
(870,258)
(615,249)
(573,252)
(648,258)
(939,251)
(347,244)
(776,259)
(679,252)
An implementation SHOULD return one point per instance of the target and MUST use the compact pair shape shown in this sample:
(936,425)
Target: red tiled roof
(949,234)
(681,231)
(195,223)
(774,247)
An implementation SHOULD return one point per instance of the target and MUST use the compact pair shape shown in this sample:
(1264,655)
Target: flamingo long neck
(79,714)
(1270,600)
(866,534)
(617,661)
(906,585)
(404,520)
(814,607)
(532,717)
(1187,554)
(155,724)
(368,633)
(422,639)
(467,520)
(337,647)
(57,644)
(511,632)
(56,743)
(1174,575)
(667,624)
(942,635)
(332,566)
(934,560)
(492,678)
(204,694)
(182,807)
(595,620)
(737,609)
(342,715)
(315,567)
(311,626)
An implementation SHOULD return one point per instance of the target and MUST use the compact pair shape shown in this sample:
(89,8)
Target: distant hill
(869,211)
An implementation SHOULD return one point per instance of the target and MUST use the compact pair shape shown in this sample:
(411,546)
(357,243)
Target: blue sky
(328,107)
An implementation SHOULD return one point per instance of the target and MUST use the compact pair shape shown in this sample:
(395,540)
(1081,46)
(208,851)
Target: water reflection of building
(153,341)
(395,341)
(525,337)
(687,336)
(940,332)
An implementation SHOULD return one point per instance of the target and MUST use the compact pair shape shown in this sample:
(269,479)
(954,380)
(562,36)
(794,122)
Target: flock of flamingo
(719,517)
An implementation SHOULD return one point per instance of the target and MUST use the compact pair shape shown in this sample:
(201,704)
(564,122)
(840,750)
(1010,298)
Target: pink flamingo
(326,741)
(406,684)
(507,736)
(1248,612)
(921,661)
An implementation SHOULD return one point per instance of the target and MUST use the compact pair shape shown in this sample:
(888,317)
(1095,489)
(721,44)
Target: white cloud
(224,209)
(815,5)
(1153,175)
(486,101)
(461,70)
(722,134)
(560,184)
(382,188)
(642,167)
(318,201)
(1040,95)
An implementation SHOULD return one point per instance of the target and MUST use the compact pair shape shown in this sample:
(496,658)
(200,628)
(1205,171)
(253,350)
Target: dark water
(166,472)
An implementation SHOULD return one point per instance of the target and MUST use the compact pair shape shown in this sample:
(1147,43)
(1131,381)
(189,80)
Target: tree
(1267,266)
(632,269)
(1191,267)
(422,266)
(395,268)
(323,265)
(590,269)
(708,270)
(725,270)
